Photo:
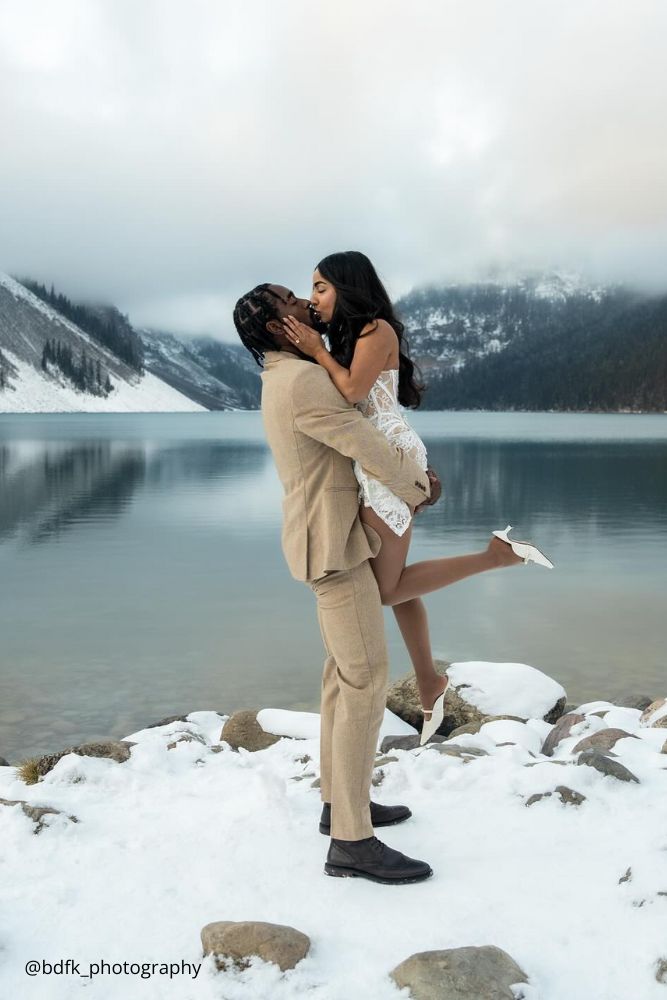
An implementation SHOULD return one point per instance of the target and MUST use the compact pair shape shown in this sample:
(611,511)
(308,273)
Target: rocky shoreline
(489,708)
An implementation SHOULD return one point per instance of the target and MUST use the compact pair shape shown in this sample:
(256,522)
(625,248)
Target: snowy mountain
(216,375)
(544,342)
(49,364)
(451,325)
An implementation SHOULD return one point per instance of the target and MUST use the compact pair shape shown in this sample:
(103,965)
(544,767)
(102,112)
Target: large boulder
(243,731)
(470,973)
(480,691)
(233,943)
(403,699)
(35,768)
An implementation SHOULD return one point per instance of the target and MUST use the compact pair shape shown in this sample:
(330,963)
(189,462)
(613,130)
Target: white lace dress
(382,408)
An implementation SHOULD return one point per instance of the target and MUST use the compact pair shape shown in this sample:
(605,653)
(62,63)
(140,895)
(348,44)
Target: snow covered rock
(34,769)
(187,738)
(507,732)
(604,739)
(286,722)
(470,728)
(655,714)
(606,765)
(407,742)
(167,721)
(233,943)
(480,690)
(456,750)
(567,796)
(493,689)
(460,974)
(306,725)
(35,813)
(560,731)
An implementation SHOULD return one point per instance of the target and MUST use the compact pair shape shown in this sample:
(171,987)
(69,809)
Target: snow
(176,838)
(32,392)
(306,725)
(506,688)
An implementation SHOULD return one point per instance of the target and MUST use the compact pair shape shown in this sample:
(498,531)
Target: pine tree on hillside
(105,324)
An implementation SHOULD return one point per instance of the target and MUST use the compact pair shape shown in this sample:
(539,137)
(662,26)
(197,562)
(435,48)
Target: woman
(369,367)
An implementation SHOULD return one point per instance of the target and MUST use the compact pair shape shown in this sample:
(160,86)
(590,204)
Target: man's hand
(436,491)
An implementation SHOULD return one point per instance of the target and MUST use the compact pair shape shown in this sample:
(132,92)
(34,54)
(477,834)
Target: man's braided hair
(251,314)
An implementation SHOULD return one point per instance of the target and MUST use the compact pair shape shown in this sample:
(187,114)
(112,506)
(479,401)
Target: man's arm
(321,412)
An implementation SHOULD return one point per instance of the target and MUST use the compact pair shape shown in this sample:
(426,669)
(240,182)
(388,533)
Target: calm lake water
(141,573)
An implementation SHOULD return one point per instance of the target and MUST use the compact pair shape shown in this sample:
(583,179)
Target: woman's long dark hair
(361,298)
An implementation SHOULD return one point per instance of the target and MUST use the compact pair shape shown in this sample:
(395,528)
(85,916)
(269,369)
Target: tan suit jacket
(314,434)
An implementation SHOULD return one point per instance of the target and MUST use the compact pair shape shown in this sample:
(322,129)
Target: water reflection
(48,488)
(141,572)
(584,486)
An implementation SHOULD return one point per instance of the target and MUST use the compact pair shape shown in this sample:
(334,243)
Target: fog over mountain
(167,156)
(547,341)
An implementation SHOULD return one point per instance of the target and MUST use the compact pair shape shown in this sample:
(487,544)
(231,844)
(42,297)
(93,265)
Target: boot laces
(377,846)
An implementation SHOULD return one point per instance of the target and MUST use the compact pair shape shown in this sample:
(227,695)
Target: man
(314,435)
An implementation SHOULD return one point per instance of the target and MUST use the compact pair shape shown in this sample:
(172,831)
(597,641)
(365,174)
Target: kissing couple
(354,475)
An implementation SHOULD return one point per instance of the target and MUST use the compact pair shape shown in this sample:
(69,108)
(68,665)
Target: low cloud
(168,156)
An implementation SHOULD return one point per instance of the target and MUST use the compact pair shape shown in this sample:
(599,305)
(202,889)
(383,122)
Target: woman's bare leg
(390,572)
(411,615)
(413,623)
(399,583)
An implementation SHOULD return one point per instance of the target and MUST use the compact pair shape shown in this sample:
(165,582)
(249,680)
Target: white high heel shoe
(432,725)
(527,551)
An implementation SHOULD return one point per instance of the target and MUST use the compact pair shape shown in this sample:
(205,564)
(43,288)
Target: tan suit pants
(354,691)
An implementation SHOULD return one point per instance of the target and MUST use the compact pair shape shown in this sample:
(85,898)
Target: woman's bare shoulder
(381,327)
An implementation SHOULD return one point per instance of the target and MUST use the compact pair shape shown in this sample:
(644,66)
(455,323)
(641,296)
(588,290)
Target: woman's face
(323,297)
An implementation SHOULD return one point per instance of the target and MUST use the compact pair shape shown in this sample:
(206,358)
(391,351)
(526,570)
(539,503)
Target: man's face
(287,304)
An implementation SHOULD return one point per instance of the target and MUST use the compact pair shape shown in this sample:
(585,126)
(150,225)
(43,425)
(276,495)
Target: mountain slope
(219,376)
(48,363)
(604,351)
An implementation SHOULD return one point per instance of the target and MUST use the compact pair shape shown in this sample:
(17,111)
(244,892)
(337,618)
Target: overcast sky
(168,155)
